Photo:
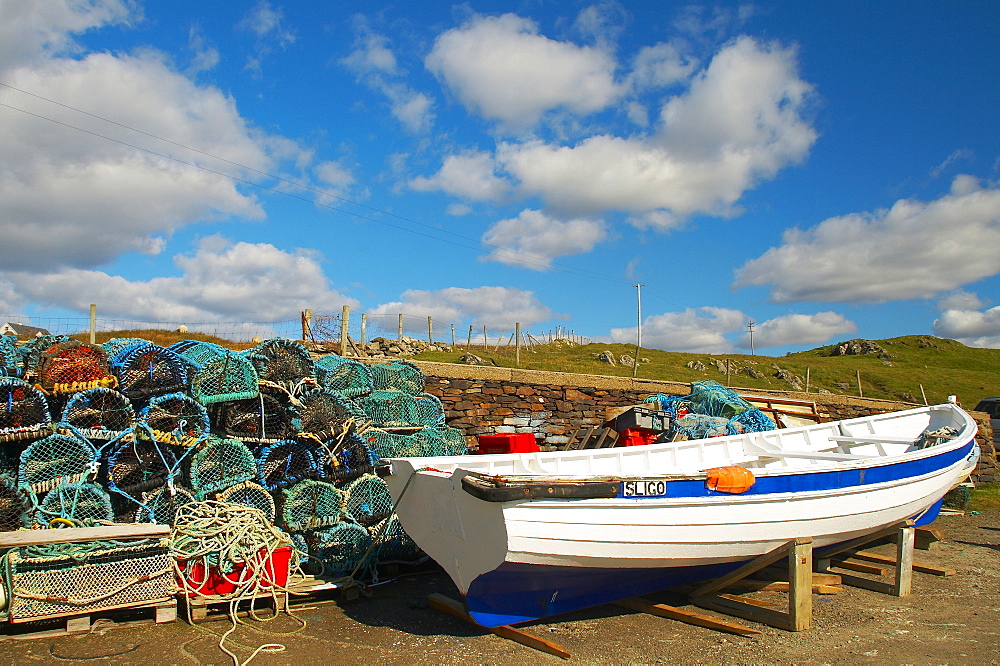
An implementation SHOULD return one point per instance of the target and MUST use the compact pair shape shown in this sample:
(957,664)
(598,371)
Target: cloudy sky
(824,170)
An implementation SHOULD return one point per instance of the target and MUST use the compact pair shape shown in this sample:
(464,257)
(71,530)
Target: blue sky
(825,170)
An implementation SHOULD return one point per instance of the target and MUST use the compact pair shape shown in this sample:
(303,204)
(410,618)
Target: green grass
(985,497)
(941,367)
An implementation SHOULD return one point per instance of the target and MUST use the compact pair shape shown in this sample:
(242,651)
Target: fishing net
(31,351)
(24,412)
(223,379)
(751,420)
(346,457)
(391,409)
(160,506)
(441,441)
(58,580)
(10,360)
(73,505)
(345,376)
(270,417)
(700,426)
(113,346)
(98,414)
(430,411)
(71,366)
(196,353)
(55,460)
(219,463)
(320,411)
(392,544)
(12,503)
(138,465)
(281,361)
(341,549)
(284,463)
(251,495)
(176,418)
(398,376)
(368,500)
(310,504)
(144,370)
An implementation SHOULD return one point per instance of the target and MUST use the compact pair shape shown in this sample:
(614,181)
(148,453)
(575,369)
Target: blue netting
(310,504)
(144,370)
(138,465)
(427,441)
(342,375)
(397,376)
(10,361)
(340,549)
(699,414)
(55,460)
(285,463)
(346,457)
(281,361)
(115,345)
(98,414)
(24,412)
(31,351)
(196,353)
(176,418)
(79,503)
(391,409)
(220,463)
(225,378)
(368,500)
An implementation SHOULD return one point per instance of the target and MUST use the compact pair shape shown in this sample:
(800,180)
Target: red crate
(274,569)
(508,442)
(636,437)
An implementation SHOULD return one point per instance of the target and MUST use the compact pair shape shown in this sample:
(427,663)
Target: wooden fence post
(345,316)
(517,344)
(93,323)
(399,328)
(430,330)
(364,326)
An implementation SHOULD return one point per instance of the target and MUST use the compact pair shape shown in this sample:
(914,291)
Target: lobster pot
(24,412)
(196,353)
(347,458)
(398,376)
(345,376)
(72,366)
(367,500)
(310,504)
(284,463)
(249,494)
(12,504)
(176,419)
(98,414)
(115,345)
(270,417)
(72,504)
(321,411)
(453,442)
(430,411)
(219,463)
(391,409)
(281,361)
(390,444)
(72,579)
(10,360)
(31,351)
(160,506)
(55,460)
(341,549)
(137,465)
(224,378)
(145,370)
(392,544)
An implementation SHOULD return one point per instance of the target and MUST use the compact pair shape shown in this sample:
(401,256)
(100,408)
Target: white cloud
(470,175)
(533,239)
(268,24)
(960,299)
(970,327)
(482,306)
(220,281)
(204,56)
(335,178)
(694,330)
(913,250)
(798,329)
(501,68)
(660,65)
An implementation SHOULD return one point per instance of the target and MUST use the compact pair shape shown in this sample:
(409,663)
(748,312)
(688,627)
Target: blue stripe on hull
(515,592)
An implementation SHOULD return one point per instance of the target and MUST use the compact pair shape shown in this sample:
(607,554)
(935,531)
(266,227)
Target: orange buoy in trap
(730,479)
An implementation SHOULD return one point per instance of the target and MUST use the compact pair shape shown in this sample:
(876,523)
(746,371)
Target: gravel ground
(947,620)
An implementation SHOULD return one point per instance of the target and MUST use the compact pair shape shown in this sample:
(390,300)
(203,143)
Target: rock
(857,348)
(695,365)
(606,357)
(752,372)
(471,359)
(626,360)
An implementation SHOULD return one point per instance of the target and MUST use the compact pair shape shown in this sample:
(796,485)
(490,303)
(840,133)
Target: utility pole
(750,329)
(638,335)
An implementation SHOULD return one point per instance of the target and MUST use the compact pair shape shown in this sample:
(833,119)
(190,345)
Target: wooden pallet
(309,590)
(158,612)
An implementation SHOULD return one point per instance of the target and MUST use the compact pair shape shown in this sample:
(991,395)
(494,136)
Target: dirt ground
(947,620)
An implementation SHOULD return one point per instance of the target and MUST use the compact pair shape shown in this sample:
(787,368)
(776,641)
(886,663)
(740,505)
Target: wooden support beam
(686,616)
(865,556)
(925,537)
(452,607)
(903,563)
(845,563)
(750,584)
(750,567)
(74,534)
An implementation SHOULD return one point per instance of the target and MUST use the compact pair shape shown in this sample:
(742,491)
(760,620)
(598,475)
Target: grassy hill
(941,367)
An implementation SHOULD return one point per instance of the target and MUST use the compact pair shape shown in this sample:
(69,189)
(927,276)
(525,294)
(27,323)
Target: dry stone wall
(487,400)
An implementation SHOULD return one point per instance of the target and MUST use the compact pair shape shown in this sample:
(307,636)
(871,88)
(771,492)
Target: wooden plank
(888,560)
(744,610)
(854,544)
(775,572)
(781,586)
(904,566)
(926,536)
(750,600)
(452,607)
(800,566)
(874,585)
(751,567)
(686,616)
(73,534)
(844,563)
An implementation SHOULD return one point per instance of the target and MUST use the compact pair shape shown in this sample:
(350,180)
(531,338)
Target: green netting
(176,418)
(24,412)
(391,409)
(310,504)
(430,411)
(321,411)
(78,503)
(72,366)
(196,353)
(285,463)
(392,544)
(12,503)
(270,417)
(346,457)
(10,361)
(31,351)
(340,549)
(453,440)
(398,376)
(281,361)
(98,414)
(429,441)
(342,375)
(144,369)
(138,465)
(160,506)
(249,494)
(220,463)
(224,378)
(115,345)
(55,460)
(368,500)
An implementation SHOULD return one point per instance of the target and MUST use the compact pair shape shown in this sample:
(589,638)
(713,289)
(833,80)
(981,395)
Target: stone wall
(486,400)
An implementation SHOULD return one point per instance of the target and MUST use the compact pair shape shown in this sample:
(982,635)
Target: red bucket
(199,580)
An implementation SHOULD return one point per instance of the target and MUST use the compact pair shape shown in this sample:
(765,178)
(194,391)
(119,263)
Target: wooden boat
(530,535)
